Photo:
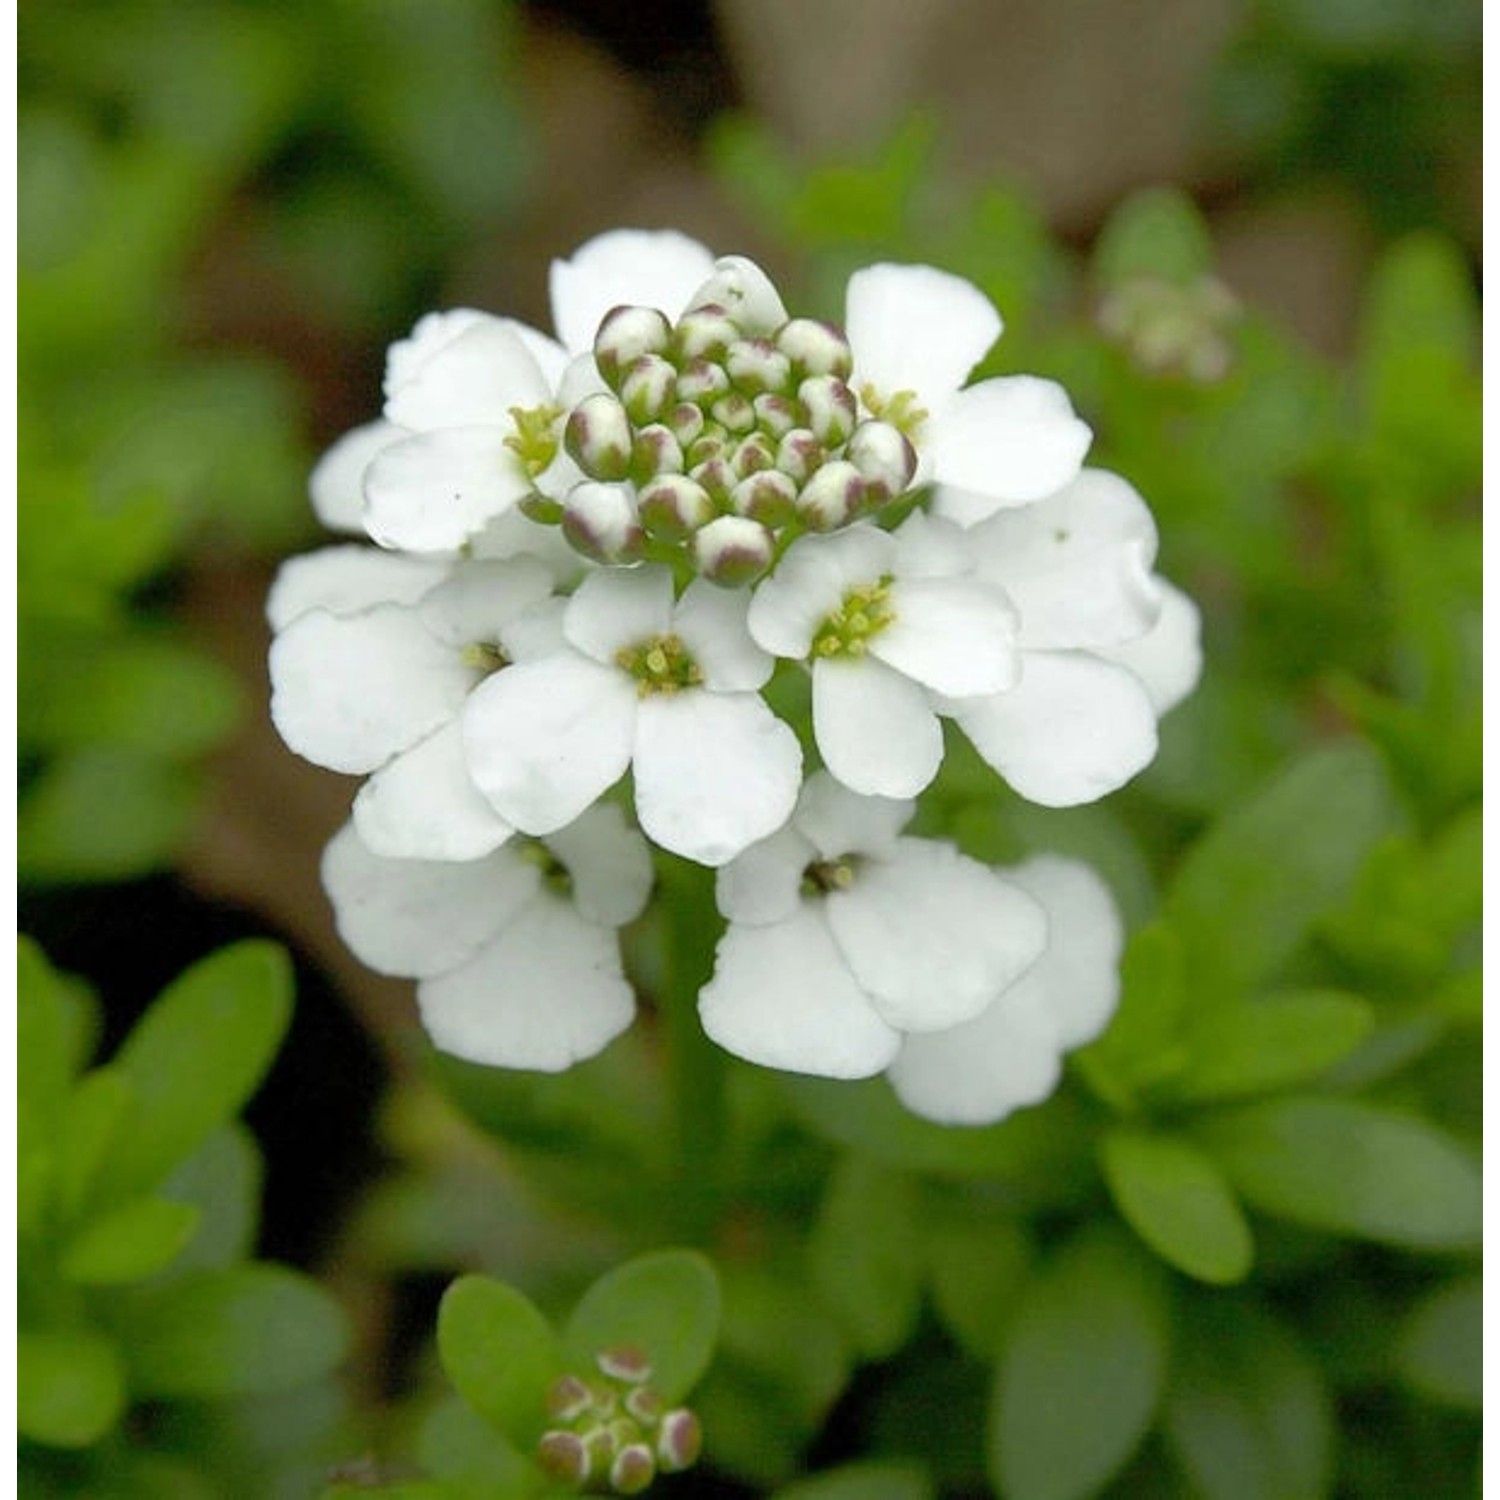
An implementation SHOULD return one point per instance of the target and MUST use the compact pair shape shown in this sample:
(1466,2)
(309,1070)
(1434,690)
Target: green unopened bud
(733,551)
(624,336)
(815,348)
(769,497)
(757,365)
(565,1457)
(657,451)
(832,497)
(679,1441)
(686,422)
(674,506)
(704,333)
(752,454)
(884,457)
(633,1469)
(745,292)
(540,508)
(568,1397)
(776,415)
(648,388)
(599,438)
(831,408)
(702,381)
(601,521)
(799,454)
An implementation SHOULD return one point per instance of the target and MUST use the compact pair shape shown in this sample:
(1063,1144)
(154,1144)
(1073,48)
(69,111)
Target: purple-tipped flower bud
(831,408)
(624,336)
(712,442)
(599,438)
(745,292)
(753,454)
(815,348)
(674,506)
(769,497)
(657,451)
(883,454)
(733,551)
(776,415)
(601,521)
(733,412)
(648,388)
(704,333)
(568,1397)
(565,1456)
(686,421)
(633,1469)
(679,1441)
(646,1405)
(716,476)
(702,381)
(832,497)
(799,453)
(757,365)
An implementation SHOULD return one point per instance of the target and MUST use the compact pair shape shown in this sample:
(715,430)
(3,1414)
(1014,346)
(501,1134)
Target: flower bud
(568,1397)
(645,1404)
(679,1441)
(648,388)
(686,422)
(733,551)
(601,521)
(757,365)
(712,442)
(798,454)
(598,437)
(831,408)
(832,497)
(752,454)
(657,451)
(633,1469)
(565,1456)
(776,415)
(769,497)
(702,381)
(540,508)
(624,336)
(673,506)
(815,348)
(704,333)
(717,477)
(745,292)
(733,412)
(884,457)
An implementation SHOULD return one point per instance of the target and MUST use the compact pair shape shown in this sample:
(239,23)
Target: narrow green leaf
(500,1353)
(70,1389)
(1080,1372)
(1440,1345)
(665,1304)
(1176,1199)
(222,1181)
(128,1242)
(43,1064)
(863,1481)
(102,1106)
(1352,1169)
(978,1268)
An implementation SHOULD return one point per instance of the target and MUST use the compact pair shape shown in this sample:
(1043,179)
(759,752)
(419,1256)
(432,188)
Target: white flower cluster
(592,554)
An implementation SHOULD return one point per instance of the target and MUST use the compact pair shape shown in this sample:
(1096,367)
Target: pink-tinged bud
(565,1457)
(648,389)
(568,1397)
(745,292)
(704,333)
(702,382)
(712,442)
(831,408)
(657,451)
(624,336)
(716,476)
(686,422)
(633,1469)
(601,521)
(733,412)
(599,438)
(757,365)
(673,506)
(769,497)
(832,497)
(815,348)
(883,454)
(775,414)
(624,1362)
(799,454)
(753,454)
(733,551)
(645,1405)
(679,1441)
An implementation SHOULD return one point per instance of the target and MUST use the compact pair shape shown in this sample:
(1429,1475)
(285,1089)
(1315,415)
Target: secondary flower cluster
(592,555)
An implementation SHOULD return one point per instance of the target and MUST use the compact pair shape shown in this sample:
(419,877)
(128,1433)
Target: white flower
(1010,1054)
(887,621)
(668,689)
(843,937)
(516,953)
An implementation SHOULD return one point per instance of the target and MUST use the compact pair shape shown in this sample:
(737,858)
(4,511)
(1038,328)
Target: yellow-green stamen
(535,439)
(899,409)
(864,613)
(660,665)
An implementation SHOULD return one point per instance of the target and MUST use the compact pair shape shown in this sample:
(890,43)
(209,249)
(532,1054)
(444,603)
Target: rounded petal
(954,635)
(1072,730)
(424,805)
(547,992)
(481,597)
(414,917)
(1077,564)
(933,936)
(764,883)
(714,772)
(915,328)
(346,580)
(745,292)
(1003,442)
(841,822)
(618,607)
(514,534)
(929,547)
(711,623)
(470,380)
(432,492)
(1168,659)
(875,729)
(337,483)
(431,333)
(626,267)
(544,738)
(348,692)
(609,863)
(550,356)
(783,997)
(810,582)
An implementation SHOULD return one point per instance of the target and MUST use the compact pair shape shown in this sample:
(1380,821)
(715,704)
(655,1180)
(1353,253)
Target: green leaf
(1350,1168)
(102,1104)
(665,1303)
(454,1441)
(865,1253)
(1240,903)
(1176,1199)
(128,1242)
(978,1267)
(44,1063)
(1080,1373)
(1260,1045)
(198,1054)
(70,1389)
(863,1481)
(1247,1416)
(242,1331)
(1157,232)
(222,1181)
(1440,1345)
(500,1353)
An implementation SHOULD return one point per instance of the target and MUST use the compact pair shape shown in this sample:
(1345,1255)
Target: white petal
(811,581)
(1073,729)
(337,482)
(346,580)
(915,328)
(1077,564)
(875,728)
(424,805)
(745,292)
(714,772)
(545,993)
(764,883)
(711,623)
(544,738)
(934,936)
(618,607)
(609,863)
(841,822)
(535,632)
(929,547)
(432,492)
(1079,973)
(472,380)
(480,598)
(782,996)
(550,356)
(514,534)
(348,692)
(954,635)
(625,267)
(1168,659)
(1010,440)
(431,334)
(415,917)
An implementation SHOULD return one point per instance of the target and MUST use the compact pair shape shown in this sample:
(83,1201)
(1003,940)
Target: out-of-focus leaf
(129,1242)
(863,1481)
(101,1108)
(1440,1347)
(1352,1169)
(1081,1371)
(474,1461)
(978,1268)
(70,1388)
(1157,232)
(222,1181)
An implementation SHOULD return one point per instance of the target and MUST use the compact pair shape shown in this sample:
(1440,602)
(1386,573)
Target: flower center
(485,657)
(900,410)
(660,665)
(865,612)
(556,876)
(535,439)
(824,876)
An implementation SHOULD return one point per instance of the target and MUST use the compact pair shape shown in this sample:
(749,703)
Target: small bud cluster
(718,442)
(614,1431)
(1170,328)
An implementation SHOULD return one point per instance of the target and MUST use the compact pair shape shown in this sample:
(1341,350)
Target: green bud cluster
(1173,328)
(612,1431)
